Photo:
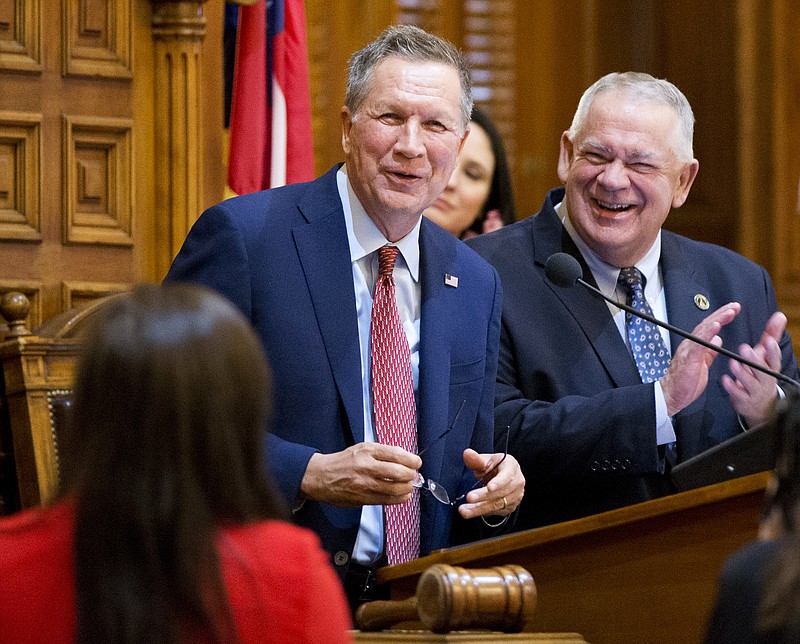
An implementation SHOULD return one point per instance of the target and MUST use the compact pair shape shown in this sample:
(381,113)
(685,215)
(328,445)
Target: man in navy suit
(301,262)
(589,435)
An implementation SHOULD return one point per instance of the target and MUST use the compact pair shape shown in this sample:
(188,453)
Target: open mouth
(613,207)
(403,176)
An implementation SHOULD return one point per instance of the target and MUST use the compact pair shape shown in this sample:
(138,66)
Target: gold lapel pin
(701,302)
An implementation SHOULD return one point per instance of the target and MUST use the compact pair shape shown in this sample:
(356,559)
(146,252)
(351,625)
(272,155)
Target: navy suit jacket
(582,423)
(282,257)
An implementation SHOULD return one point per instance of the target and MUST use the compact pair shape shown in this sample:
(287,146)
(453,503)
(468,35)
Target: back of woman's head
(165,443)
(172,384)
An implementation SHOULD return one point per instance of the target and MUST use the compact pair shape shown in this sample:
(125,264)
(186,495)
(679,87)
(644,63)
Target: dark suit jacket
(739,591)
(282,257)
(582,423)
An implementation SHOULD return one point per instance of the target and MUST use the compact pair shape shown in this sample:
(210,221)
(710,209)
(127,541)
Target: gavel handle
(377,615)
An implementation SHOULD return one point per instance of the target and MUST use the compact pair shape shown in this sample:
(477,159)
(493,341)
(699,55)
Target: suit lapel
(680,287)
(436,258)
(589,310)
(325,256)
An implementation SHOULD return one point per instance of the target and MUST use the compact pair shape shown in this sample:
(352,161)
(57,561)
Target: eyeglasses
(440,493)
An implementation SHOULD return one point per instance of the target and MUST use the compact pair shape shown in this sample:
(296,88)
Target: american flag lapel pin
(451,280)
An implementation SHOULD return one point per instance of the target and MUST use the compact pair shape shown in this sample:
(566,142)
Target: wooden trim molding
(178,32)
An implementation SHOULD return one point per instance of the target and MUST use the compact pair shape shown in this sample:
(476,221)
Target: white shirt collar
(363,235)
(605,274)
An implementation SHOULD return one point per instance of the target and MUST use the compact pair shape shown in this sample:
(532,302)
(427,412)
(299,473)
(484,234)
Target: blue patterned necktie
(647,345)
(648,348)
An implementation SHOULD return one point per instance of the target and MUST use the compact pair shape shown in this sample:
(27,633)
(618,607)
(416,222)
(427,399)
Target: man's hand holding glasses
(498,489)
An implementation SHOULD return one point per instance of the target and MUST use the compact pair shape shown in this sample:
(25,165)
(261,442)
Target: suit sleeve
(215,255)
(559,435)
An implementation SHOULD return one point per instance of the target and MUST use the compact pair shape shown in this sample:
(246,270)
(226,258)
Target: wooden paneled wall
(735,60)
(87,86)
(110,142)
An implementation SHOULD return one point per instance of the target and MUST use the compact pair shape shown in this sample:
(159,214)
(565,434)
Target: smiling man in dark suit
(599,406)
(302,262)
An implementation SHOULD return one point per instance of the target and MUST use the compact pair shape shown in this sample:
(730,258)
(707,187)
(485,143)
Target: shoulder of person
(708,251)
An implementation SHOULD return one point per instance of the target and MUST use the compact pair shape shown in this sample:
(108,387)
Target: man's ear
(347,123)
(565,156)
(685,181)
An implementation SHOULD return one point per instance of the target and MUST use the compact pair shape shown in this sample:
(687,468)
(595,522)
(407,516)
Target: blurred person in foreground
(601,404)
(381,328)
(758,595)
(167,528)
(479,197)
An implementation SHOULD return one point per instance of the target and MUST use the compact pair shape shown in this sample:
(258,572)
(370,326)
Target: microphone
(563,270)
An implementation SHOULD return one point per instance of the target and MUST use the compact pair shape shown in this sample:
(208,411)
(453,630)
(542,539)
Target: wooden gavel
(451,598)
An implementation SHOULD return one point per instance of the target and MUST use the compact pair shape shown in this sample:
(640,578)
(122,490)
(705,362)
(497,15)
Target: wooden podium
(644,573)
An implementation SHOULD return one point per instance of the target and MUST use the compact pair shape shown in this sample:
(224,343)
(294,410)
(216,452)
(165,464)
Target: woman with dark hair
(479,197)
(167,528)
(758,598)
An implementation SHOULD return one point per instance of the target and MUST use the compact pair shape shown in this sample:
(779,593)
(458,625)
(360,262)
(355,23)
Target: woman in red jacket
(167,529)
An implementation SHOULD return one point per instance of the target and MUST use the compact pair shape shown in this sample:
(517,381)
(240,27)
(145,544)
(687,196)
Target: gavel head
(452,598)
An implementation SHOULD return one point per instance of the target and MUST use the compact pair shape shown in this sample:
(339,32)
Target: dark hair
(501,194)
(413,44)
(780,606)
(165,443)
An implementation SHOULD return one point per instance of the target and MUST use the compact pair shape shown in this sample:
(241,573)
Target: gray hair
(413,44)
(642,87)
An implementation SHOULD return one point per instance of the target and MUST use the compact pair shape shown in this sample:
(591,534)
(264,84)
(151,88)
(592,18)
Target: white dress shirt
(365,239)
(606,277)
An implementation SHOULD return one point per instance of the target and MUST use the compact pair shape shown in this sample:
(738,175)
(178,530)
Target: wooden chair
(38,371)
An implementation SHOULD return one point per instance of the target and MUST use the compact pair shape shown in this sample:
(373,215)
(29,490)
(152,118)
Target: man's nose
(614,176)
(410,140)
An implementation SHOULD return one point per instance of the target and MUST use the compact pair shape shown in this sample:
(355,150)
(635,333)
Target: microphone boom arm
(689,336)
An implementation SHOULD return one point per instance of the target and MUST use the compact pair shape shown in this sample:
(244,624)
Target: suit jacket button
(594,466)
(615,464)
(606,465)
(626,464)
(341,558)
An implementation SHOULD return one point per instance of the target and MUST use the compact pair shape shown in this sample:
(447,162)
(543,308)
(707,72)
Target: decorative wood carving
(20,35)
(97,38)
(178,32)
(98,180)
(20,169)
(75,294)
(34,368)
(33,292)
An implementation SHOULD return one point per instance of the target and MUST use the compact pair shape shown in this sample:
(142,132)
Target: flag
(270,132)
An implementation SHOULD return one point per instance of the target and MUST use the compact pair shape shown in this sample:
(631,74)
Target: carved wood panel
(97,39)
(76,294)
(20,169)
(20,35)
(98,180)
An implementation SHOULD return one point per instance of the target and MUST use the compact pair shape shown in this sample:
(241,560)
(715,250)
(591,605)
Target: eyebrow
(631,158)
